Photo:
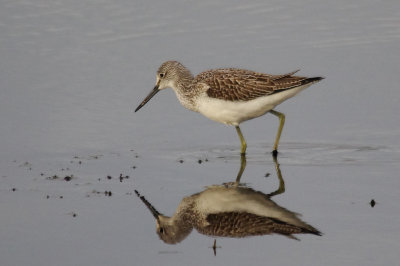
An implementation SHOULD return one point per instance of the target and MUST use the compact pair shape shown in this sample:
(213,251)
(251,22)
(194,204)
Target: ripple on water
(295,153)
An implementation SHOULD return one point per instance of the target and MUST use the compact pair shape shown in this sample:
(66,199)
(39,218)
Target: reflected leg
(281,117)
(242,167)
(281,188)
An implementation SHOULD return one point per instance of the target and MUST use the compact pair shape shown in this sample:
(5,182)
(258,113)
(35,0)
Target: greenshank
(230,95)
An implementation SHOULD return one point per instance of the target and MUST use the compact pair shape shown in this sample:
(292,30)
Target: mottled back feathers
(243,85)
(242,224)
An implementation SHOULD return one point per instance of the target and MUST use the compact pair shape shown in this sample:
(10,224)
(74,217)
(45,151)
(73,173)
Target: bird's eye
(162,75)
(161,230)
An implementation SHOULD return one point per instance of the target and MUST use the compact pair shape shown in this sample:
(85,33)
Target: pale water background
(72,72)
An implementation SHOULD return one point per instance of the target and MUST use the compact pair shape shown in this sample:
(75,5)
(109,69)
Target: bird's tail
(311,80)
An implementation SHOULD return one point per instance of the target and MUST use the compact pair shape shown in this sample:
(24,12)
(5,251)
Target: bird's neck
(184,90)
(180,225)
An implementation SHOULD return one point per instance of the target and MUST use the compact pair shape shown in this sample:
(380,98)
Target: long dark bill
(148,205)
(151,94)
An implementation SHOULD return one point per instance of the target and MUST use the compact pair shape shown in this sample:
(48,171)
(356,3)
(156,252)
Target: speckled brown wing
(242,85)
(241,224)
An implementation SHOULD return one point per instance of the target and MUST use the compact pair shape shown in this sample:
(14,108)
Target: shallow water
(73,72)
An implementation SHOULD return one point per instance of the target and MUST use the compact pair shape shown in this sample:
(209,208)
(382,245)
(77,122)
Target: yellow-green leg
(242,141)
(281,117)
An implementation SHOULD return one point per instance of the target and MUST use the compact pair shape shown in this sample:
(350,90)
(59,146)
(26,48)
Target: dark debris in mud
(65,178)
(106,193)
(122,177)
(372,203)
(54,196)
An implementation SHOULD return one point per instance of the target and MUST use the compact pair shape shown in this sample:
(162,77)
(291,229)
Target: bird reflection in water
(230,210)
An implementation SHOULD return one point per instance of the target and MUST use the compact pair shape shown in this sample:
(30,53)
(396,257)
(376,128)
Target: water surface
(73,72)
